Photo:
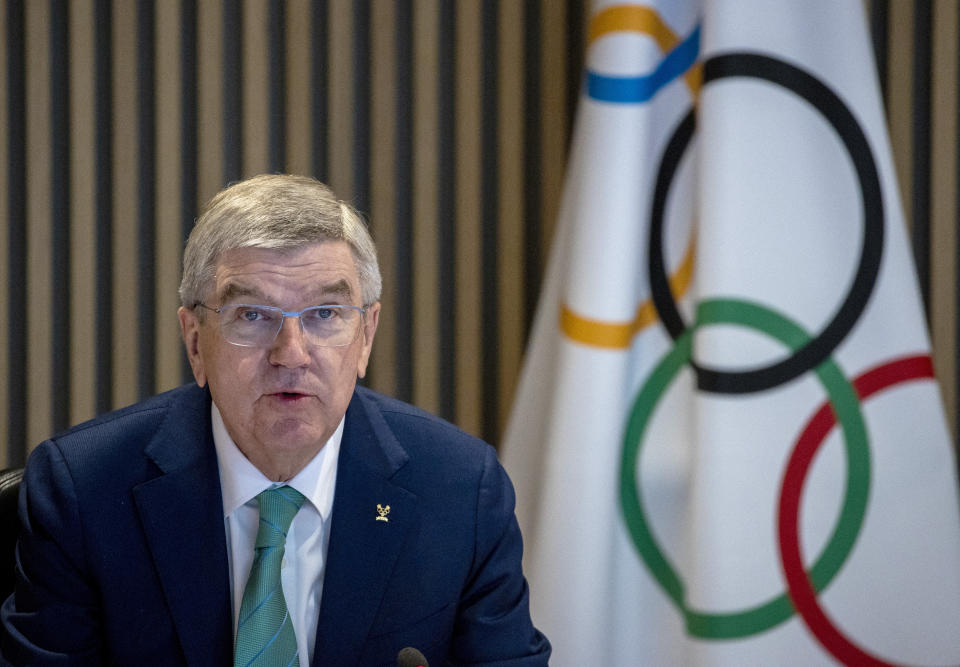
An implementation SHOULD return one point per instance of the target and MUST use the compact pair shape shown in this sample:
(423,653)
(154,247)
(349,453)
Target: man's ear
(190,331)
(370,321)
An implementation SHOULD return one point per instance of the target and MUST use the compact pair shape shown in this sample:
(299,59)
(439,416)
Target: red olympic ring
(799,587)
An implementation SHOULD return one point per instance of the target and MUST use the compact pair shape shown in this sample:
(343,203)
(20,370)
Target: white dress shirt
(305,559)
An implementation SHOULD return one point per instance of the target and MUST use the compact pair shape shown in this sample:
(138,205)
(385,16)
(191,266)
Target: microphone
(411,657)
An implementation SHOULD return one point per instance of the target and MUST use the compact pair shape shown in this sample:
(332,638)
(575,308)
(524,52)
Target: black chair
(9,527)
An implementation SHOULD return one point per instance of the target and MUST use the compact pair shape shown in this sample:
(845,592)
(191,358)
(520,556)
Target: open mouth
(289,395)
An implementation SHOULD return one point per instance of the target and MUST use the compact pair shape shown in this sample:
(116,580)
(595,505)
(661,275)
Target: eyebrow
(232,290)
(339,288)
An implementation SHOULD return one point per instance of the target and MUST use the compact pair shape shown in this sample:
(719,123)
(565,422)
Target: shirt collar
(241,481)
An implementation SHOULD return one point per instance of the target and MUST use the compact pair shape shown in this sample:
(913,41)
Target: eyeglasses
(249,325)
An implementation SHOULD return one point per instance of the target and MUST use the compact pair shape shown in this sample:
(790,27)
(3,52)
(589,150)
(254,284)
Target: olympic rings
(807,352)
(811,438)
(821,346)
(844,400)
(680,56)
(634,90)
(680,60)
(619,335)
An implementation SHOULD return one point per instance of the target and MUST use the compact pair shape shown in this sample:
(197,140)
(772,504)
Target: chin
(294,433)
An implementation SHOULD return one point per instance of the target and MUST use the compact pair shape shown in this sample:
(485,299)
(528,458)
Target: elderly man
(273,513)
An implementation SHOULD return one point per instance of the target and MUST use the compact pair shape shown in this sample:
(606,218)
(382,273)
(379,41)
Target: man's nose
(291,347)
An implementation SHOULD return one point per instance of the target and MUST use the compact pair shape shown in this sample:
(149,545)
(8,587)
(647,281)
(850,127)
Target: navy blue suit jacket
(123,558)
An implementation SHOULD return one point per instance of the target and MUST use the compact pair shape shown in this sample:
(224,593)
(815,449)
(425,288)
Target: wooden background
(446,122)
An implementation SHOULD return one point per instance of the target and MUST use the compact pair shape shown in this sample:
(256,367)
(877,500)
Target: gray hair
(277,212)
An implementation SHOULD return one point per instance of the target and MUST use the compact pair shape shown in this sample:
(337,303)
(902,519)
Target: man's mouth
(288,396)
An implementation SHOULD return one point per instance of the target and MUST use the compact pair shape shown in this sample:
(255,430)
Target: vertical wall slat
(168,163)
(83,261)
(510,241)
(256,88)
(880,30)
(297,75)
(188,117)
(561,23)
(39,228)
(277,38)
(146,199)
(60,201)
(103,166)
(125,197)
(532,146)
(403,204)
(943,226)
(382,200)
(426,259)
(923,56)
(232,110)
(4,236)
(956,275)
(340,81)
(469,217)
(16,234)
(318,83)
(189,101)
(447,103)
(577,11)
(490,216)
(210,100)
(361,105)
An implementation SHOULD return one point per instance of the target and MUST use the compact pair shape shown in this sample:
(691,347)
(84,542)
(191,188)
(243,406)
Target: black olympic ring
(833,109)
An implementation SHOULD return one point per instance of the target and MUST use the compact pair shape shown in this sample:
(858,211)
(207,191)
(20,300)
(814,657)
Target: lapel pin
(382,512)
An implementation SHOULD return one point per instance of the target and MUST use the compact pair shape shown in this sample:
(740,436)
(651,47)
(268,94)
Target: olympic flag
(728,443)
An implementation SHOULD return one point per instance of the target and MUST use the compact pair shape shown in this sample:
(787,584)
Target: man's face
(280,403)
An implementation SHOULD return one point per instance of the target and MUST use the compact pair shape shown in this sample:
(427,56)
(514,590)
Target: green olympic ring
(846,405)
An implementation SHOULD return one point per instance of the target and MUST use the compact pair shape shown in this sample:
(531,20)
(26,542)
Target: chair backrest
(9,528)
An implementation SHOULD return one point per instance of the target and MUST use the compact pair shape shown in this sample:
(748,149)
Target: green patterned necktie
(265,634)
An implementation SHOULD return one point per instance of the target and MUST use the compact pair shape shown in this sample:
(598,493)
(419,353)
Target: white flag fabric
(728,444)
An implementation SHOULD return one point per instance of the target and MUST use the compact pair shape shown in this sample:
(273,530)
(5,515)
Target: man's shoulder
(408,422)
(150,409)
(112,433)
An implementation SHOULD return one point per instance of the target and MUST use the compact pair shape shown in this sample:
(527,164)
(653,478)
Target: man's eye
(324,313)
(252,315)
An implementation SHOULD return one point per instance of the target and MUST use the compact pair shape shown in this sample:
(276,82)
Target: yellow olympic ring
(617,335)
(646,21)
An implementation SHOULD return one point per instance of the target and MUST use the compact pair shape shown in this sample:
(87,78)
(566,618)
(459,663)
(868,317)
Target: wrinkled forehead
(318,273)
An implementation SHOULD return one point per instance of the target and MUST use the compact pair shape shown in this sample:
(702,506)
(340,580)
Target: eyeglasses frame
(286,314)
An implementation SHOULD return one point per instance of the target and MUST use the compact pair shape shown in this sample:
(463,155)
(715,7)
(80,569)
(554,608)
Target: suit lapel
(363,549)
(182,515)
